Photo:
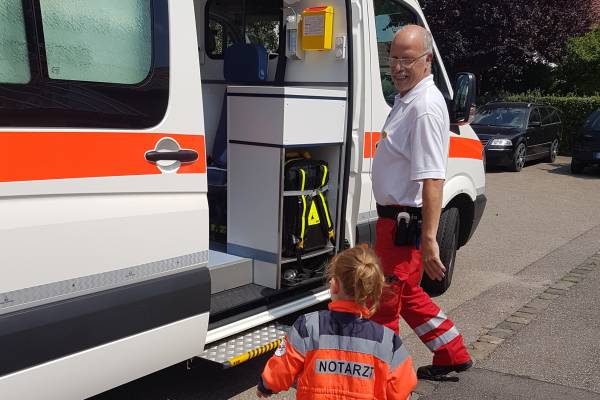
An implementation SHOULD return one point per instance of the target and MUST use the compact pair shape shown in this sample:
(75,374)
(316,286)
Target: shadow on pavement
(494,169)
(565,169)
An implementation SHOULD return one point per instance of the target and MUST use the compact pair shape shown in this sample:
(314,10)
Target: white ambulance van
(112,115)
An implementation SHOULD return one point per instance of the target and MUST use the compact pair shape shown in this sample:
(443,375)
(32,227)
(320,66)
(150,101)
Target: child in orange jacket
(339,353)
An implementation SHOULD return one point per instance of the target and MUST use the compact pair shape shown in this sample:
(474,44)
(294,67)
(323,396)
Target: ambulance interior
(267,102)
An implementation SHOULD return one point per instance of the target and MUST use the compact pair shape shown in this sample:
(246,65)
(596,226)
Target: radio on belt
(317,28)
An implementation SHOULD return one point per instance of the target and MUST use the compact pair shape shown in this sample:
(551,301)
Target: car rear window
(550,116)
(545,112)
(593,122)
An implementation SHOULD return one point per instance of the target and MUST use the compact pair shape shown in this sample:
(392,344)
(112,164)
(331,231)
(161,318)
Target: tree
(580,71)
(501,40)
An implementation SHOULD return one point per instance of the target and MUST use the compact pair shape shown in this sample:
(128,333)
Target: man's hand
(431,260)
(432,209)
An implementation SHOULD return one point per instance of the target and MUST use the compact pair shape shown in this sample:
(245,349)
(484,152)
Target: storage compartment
(264,125)
(286,116)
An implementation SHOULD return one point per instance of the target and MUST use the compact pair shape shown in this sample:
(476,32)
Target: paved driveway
(539,224)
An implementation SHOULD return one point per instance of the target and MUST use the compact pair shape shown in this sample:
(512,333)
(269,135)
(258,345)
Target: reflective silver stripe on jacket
(441,340)
(432,324)
(305,344)
(381,350)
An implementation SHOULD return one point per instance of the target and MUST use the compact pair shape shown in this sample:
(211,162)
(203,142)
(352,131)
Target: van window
(14,57)
(389,18)
(241,21)
(89,64)
(98,41)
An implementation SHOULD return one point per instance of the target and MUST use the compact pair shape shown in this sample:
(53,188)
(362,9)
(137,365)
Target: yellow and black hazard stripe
(259,351)
(324,208)
(304,210)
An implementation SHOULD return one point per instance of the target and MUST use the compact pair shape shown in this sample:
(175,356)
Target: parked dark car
(513,133)
(586,144)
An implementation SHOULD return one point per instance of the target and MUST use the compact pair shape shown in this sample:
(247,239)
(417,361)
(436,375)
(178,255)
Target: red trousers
(405,298)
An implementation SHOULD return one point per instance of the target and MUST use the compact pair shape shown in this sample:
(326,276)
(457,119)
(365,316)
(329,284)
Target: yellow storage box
(317,28)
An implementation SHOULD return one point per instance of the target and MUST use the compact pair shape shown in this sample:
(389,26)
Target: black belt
(391,212)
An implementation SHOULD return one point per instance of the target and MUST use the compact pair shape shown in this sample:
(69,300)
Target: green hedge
(573,112)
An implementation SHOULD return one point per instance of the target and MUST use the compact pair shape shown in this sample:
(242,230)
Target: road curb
(493,337)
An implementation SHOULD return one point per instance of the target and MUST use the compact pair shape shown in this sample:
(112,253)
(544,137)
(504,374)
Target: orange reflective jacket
(338,355)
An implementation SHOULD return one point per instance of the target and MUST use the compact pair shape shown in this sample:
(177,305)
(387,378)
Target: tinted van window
(98,41)
(91,64)
(14,56)
(390,16)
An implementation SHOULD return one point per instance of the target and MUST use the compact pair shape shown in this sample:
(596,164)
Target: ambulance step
(246,346)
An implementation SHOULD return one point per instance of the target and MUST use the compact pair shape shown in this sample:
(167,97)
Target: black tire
(519,158)
(447,238)
(553,152)
(577,166)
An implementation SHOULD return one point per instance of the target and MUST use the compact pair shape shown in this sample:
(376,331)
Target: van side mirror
(463,103)
(534,124)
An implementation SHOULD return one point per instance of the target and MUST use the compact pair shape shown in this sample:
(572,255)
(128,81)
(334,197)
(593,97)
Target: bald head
(415,36)
(411,54)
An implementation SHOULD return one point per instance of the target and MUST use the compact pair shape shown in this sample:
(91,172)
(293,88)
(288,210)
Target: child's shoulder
(306,323)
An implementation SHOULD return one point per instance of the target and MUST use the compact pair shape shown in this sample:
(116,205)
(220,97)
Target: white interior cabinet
(264,123)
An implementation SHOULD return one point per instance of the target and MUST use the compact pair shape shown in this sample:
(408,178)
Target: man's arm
(432,209)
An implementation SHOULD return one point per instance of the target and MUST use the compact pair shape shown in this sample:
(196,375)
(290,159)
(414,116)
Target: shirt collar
(414,92)
(348,306)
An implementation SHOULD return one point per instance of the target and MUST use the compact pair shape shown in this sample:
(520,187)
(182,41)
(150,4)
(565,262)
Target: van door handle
(184,156)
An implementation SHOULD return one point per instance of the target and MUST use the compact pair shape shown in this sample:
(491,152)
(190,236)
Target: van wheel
(553,151)
(447,238)
(576,166)
(519,158)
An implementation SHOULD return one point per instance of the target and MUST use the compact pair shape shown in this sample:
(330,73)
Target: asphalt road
(538,225)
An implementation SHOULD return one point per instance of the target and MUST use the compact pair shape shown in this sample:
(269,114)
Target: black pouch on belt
(406,230)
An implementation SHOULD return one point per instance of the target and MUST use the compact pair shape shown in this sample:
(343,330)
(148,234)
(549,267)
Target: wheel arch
(466,212)
(460,192)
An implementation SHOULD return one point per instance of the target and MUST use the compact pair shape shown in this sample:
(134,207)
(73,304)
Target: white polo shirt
(414,146)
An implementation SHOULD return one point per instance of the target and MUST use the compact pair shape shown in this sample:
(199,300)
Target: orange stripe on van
(465,148)
(370,144)
(31,156)
(459,147)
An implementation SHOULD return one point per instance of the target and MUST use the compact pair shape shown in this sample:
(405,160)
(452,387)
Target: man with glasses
(409,170)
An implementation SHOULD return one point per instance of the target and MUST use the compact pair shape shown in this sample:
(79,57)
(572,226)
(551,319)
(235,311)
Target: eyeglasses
(404,62)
